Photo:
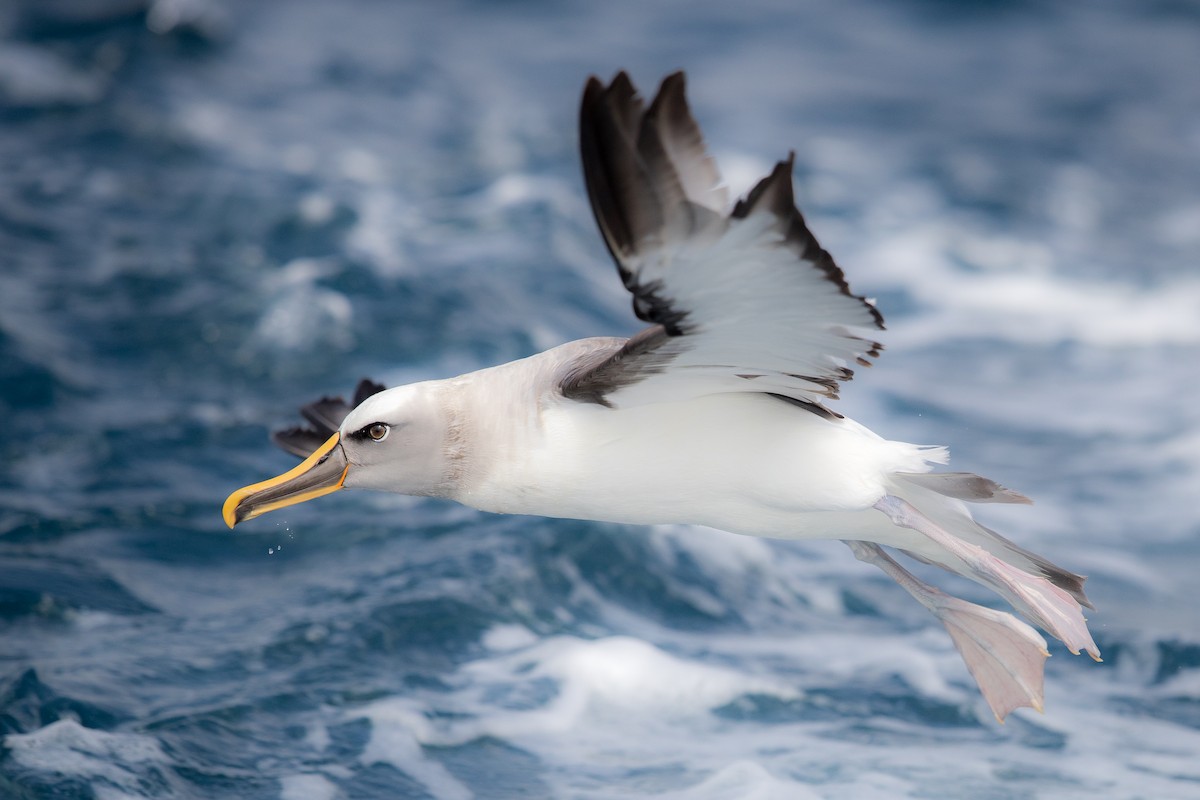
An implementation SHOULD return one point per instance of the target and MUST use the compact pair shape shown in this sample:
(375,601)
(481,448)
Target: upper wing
(740,300)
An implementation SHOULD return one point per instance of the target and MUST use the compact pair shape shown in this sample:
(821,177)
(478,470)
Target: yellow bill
(321,473)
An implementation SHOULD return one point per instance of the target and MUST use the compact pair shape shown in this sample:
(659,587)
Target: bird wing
(324,417)
(740,299)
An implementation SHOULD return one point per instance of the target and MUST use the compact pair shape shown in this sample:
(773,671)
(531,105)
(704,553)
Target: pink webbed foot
(1005,656)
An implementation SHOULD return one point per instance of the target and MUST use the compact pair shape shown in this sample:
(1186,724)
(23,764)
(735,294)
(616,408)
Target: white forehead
(391,406)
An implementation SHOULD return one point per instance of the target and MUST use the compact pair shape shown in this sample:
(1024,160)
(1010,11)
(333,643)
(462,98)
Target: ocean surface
(213,211)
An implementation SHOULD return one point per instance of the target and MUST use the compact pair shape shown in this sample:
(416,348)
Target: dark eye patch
(376,431)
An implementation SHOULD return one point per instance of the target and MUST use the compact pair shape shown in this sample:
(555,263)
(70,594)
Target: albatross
(718,413)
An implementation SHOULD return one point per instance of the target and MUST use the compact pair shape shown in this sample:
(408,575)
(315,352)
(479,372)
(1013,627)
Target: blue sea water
(212,211)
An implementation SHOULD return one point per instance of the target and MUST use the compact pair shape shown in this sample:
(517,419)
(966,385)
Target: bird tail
(1004,655)
(942,497)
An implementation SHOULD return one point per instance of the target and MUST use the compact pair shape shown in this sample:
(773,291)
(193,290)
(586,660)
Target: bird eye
(378,431)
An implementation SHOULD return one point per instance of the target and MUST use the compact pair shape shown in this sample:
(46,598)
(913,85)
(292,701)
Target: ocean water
(211,212)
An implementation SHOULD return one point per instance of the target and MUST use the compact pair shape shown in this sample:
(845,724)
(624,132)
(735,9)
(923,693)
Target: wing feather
(740,300)
(324,417)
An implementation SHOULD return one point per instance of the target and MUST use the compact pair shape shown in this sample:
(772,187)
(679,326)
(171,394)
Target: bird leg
(1043,603)
(1004,655)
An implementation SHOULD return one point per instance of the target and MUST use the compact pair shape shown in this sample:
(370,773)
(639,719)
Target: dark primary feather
(325,417)
(637,195)
(620,192)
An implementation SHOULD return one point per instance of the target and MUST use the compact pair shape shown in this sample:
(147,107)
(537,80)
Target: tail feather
(1069,582)
(939,496)
(1033,595)
(964,486)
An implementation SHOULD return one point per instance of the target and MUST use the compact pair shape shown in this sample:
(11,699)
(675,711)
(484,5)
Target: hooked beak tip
(232,512)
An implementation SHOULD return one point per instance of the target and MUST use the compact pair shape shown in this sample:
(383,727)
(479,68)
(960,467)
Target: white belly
(741,462)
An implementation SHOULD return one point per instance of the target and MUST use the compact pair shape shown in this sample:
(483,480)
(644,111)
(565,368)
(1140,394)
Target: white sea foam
(618,704)
(608,678)
(307,786)
(613,700)
(385,222)
(742,780)
(300,314)
(114,760)
(508,637)
(1016,292)
(397,735)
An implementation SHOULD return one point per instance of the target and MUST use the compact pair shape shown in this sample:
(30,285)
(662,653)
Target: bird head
(393,441)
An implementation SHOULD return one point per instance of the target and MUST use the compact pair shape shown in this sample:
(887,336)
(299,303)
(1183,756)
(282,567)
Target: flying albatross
(716,414)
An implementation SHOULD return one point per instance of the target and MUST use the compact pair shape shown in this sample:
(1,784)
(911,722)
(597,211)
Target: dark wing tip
(673,89)
(622,84)
(774,194)
(325,416)
(636,192)
(366,387)
(607,125)
(300,442)
(670,105)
